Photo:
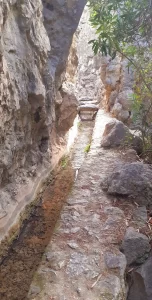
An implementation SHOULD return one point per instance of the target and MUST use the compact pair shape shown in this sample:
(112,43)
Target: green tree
(125,27)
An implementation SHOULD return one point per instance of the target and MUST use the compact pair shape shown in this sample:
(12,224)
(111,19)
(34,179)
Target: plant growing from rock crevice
(87,148)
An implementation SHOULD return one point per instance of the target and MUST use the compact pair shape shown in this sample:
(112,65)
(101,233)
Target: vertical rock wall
(89,84)
(61,18)
(96,78)
(32,63)
(118,80)
(24,132)
(84,68)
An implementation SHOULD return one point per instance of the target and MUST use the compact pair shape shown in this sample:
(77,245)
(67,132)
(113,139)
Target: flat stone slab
(88,107)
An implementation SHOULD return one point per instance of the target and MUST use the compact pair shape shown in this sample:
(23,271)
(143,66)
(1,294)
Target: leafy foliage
(119,23)
(125,27)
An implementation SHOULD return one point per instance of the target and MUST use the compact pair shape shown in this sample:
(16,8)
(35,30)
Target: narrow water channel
(18,266)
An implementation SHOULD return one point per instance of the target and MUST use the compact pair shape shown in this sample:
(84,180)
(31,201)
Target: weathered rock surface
(141,282)
(30,77)
(88,83)
(140,216)
(116,261)
(119,87)
(116,134)
(131,155)
(88,107)
(61,19)
(135,246)
(87,111)
(132,180)
(24,134)
(67,110)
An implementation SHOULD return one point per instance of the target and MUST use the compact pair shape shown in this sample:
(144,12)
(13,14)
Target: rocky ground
(83,261)
(101,245)
(99,240)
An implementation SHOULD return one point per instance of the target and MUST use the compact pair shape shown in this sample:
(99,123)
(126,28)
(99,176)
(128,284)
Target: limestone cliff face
(97,78)
(84,67)
(89,85)
(118,80)
(32,62)
(61,18)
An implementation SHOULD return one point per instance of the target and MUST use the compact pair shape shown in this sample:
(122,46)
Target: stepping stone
(87,112)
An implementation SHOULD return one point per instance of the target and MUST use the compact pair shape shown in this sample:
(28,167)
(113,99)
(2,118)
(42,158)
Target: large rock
(67,111)
(141,282)
(135,246)
(124,116)
(117,108)
(116,261)
(124,98)
(132,180)
(116,134)
(119,113)
(140,216)
(118,81)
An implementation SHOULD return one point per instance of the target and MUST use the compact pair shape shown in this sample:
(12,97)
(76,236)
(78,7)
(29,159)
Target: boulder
(140,216)
(116,109)
(116,261)
(113,97)
(67,111)
(141,282)
(119,112)
(116,134)
(124,98)
(135,246)
(131,155)
(133,180)
(123,115)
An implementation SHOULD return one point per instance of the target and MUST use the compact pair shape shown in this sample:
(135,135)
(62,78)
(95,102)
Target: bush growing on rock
(125,27)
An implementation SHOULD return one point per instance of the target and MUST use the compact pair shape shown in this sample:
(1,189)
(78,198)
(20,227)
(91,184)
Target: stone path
(83,140)
(83,260)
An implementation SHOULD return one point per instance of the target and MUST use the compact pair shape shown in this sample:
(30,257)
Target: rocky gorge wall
(118,81)
(97,78)
(89,85)
(32,100)
(39,91)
